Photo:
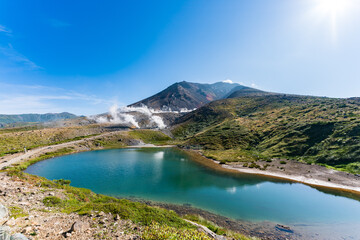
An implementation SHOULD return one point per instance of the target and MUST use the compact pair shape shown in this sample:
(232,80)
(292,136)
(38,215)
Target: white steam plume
(123,115)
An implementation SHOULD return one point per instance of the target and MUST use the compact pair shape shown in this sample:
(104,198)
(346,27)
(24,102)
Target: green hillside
(311,129)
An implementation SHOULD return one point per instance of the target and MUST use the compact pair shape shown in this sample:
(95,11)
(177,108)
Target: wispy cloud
(18,98)
(58,23)
(3,29)
(15,57)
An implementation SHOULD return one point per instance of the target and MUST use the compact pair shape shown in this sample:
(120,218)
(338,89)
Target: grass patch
(15,140)
(151,136)
(17,212)
(156,231)
(85,202)
(51,201)
(18,168)
(216,229)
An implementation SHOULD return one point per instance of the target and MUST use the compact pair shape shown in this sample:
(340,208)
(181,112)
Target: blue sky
(84,56)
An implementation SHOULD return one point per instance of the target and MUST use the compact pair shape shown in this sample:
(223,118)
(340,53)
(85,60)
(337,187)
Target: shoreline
(268,229)
(200,158)
(299,179)
(313,182)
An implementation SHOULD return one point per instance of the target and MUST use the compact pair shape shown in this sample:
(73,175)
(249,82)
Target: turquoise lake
(169,175)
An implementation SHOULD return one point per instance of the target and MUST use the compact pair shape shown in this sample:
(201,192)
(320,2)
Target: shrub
(282,162)
(62,182)
(254,165)
(51,201)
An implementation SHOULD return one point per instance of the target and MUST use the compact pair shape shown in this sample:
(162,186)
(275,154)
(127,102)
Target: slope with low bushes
(312,129)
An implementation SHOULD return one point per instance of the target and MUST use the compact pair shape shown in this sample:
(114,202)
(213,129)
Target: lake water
(169,175)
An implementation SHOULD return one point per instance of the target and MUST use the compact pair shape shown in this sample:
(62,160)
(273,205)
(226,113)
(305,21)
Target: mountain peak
(187,95)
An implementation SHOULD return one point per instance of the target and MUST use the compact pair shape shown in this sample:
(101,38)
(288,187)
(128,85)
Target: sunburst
(332,10)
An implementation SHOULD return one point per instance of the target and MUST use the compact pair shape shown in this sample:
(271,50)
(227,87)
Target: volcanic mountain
(187,95)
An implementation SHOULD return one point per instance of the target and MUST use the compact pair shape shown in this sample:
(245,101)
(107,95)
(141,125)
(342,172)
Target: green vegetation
(151,136)
(51,201)
(156,231)
(15,140)
(17,212)
(311,129)
(85,202)
(155,222)
(17,168)
(216,229)
(63,182)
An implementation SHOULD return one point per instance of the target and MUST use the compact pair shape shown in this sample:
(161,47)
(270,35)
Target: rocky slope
(187,95)
(29,216)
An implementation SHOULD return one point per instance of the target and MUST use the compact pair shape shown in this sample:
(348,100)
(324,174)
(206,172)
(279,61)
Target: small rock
(18,236)
(79,226)
(26,230)
(101,222)
(102,214)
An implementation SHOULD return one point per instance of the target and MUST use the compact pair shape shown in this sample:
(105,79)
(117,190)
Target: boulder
(80,226)
(5,233)
(4,214)
(18,236)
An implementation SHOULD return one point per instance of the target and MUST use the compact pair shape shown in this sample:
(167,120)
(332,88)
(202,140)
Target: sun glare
(333,7)
(332,11)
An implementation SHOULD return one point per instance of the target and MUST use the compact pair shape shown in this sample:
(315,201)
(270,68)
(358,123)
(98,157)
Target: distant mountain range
(187,95)
(6,120)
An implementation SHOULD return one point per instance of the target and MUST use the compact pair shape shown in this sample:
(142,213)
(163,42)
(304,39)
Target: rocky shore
(22,211)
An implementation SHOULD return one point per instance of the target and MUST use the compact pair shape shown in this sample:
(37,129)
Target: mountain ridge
(188,95)
(6,119)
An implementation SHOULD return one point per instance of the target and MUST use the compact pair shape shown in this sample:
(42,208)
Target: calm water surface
(168,175)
